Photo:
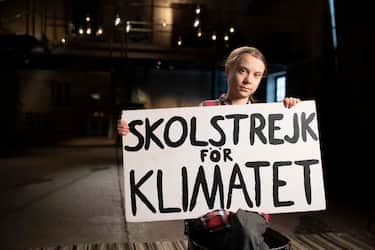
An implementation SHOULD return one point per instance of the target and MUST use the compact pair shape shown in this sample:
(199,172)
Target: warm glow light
(198,10)
(88,19)
(226,38)
(179,42)
(196,22)
(117,20)
(80,31)
(162,29)
(95,96)
(99,32)
(63,40)
(199,34)
(213,37)
(128,27)
(231,29)
(88,31)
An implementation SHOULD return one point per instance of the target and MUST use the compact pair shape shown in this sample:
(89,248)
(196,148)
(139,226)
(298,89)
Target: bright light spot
(198,10)
(179,42)
(95,96)
(99,32)
(196,22)
(128,26)
(117,20)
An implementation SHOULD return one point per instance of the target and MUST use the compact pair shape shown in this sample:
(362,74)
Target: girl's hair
(236,53)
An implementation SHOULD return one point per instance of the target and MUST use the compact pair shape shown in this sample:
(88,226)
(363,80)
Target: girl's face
(244,76)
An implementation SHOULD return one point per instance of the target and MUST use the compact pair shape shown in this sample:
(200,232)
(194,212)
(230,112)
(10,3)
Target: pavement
(70,194)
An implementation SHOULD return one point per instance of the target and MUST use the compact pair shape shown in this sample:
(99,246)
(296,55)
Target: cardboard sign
(180,163)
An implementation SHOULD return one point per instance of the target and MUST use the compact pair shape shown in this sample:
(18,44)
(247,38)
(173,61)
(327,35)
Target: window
(280,88)
(333,22)
(276,86)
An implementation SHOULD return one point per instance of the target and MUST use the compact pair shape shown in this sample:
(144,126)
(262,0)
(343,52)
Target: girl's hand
(290,102)
(122,127)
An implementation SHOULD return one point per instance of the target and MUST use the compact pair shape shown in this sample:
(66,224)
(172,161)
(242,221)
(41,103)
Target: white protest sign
(180,163)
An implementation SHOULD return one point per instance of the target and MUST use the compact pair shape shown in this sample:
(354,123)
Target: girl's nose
(247,79)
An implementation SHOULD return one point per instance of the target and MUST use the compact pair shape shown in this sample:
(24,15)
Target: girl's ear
(226,71)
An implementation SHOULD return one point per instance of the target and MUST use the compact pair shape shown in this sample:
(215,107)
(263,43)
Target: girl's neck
(238,101)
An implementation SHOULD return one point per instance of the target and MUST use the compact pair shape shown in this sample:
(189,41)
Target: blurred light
(196,22)
(88,31)
(164,23)
(213,37)
(158,64)
(95,96)
(26,60)
(179,42)
(63,40)
(198,10)
(80,31)
(199,33)
(117,20)
(231,29)
(88,19)
(226,38)
(99,32)
(128,27)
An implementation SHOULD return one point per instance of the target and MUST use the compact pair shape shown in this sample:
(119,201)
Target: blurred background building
(68,68)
